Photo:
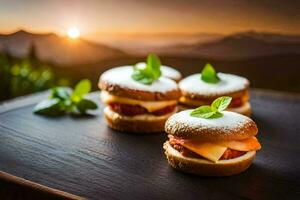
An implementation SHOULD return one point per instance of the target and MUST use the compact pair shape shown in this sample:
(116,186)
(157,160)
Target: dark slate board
(84,157)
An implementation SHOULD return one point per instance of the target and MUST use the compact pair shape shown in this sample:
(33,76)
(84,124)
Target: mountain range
(239,46)
(67,52)
(56,49)
(144,42)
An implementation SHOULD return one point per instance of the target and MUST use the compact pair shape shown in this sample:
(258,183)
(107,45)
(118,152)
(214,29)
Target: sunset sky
(150,16)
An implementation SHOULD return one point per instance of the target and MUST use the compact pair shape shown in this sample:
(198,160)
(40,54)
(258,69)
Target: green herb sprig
(150,73)
(209,74)
(65,100)
(214,110)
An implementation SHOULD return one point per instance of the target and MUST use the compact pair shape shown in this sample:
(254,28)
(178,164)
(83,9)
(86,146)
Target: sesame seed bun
(118,81)
(136,124)
(231,126)
(205,167)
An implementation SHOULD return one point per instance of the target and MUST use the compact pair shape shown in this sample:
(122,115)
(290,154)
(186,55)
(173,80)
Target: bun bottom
(205,167)
(245,109)
(136,124)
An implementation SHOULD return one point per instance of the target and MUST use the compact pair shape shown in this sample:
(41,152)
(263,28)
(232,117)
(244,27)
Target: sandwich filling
(133,107)
(235,102)
(214,151)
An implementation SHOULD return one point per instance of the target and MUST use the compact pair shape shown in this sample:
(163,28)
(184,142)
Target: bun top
(232,126)
(229,83)
(166,71)
(118,81)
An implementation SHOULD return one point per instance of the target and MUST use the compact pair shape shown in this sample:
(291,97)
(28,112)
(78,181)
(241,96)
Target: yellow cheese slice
(209,151)
(214,151)
(149,105)
(193,102)
(249,144)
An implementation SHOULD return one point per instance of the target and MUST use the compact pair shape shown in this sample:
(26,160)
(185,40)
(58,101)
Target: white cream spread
(122,76)
(229,122)
(229,83)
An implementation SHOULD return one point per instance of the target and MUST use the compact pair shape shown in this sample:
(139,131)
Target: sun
(73,33)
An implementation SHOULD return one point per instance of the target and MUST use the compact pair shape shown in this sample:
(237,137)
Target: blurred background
(58,42)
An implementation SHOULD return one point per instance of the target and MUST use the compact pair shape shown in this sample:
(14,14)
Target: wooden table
(82,156)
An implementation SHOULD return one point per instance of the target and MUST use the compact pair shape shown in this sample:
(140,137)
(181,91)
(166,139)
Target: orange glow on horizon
(73,33)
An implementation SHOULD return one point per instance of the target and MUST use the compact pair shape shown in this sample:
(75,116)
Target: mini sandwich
(166,71)
(208,141)
(138,99)
(202,89)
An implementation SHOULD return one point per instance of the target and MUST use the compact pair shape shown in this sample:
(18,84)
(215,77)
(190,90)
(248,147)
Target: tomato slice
(236,102)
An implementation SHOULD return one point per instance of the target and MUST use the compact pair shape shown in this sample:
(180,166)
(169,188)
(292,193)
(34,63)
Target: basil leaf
(148,74)
(203,112)
(153,64)
(82,88)
(49,107)
(221,103)
(216,115)
(86,104)
(60,93)
(143,79)
(137,75)
(213,111)
(209,74)
(62,101)
(146,81)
